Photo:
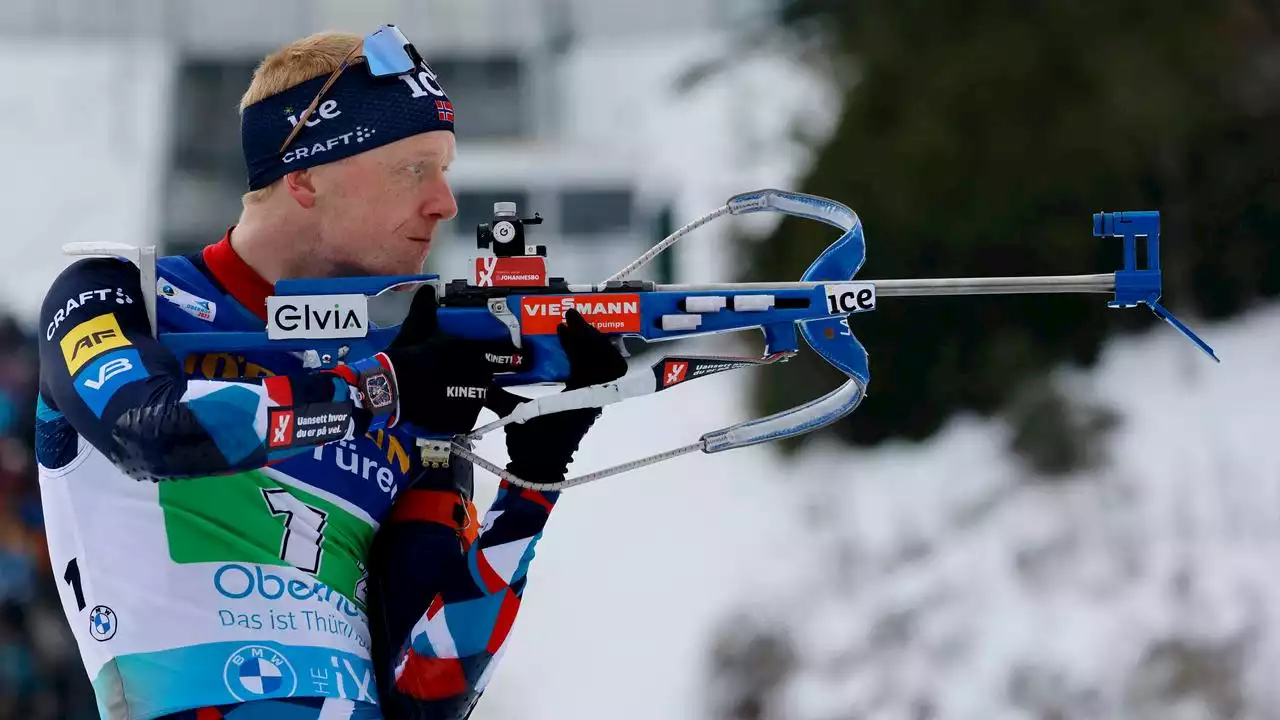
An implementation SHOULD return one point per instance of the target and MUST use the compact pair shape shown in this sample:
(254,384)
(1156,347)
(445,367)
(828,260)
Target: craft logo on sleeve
(86,297)
(607,312)
(90,339)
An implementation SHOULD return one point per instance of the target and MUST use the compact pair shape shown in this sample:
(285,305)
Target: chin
(405,268)
(393,265)
(421,260)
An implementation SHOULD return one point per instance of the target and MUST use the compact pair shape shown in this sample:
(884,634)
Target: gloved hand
(430,380)
(541,449)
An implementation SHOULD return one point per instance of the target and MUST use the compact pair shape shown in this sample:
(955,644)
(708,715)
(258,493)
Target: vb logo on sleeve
(90,339)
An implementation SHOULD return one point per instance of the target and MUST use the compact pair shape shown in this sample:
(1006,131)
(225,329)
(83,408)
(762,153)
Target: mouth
(423,240)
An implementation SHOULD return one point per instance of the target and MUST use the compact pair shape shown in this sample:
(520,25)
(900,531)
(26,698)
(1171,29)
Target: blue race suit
(232,543)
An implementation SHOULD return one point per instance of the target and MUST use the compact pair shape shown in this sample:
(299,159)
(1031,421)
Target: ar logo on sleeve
(90,339)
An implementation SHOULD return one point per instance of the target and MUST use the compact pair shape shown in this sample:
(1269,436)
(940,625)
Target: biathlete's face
(377,211)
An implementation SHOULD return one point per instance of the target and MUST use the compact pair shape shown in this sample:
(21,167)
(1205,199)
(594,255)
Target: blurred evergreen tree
(977,138)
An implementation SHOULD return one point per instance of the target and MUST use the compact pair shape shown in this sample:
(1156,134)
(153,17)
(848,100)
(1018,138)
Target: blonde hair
(292,65)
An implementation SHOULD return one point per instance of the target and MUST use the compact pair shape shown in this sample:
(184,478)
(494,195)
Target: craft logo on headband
(359,112)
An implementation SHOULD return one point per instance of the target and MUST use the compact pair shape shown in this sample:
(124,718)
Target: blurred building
(512,68)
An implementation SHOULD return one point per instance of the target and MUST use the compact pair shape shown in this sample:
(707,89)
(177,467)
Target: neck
(270,245)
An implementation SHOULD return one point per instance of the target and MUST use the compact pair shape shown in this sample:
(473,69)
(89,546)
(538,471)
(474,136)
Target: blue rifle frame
(817,307)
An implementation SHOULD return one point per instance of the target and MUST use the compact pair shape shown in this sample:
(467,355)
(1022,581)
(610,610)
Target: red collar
(242,282)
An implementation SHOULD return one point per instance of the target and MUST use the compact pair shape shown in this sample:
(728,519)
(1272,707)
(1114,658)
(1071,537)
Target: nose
(439,203)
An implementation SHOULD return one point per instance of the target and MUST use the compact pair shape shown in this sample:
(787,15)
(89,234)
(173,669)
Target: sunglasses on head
(386,51)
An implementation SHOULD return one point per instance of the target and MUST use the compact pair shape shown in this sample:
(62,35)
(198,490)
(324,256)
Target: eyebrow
(420,155)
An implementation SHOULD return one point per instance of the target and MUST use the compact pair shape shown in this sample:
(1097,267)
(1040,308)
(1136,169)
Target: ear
(301,187)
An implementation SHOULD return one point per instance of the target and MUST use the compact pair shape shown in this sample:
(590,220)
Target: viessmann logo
(608,312)
(317,316)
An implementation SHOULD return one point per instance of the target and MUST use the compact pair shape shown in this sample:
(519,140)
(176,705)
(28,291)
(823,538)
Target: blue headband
(359,112)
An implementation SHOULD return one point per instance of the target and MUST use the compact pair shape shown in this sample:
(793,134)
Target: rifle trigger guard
(498,309)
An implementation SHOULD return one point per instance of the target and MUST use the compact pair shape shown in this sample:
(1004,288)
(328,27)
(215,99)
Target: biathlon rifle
(511,295)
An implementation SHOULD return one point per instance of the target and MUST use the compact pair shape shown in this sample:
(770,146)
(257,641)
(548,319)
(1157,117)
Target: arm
(443,600)
(127,395)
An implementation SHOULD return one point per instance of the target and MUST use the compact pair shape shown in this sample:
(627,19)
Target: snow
(635,569)
(992,570)
(916,572)
(909,576)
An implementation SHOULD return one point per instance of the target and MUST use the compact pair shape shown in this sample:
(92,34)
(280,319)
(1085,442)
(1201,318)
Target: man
(214,559)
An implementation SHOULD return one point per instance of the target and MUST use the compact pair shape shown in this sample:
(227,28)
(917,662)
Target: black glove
(542,448)
(435,382)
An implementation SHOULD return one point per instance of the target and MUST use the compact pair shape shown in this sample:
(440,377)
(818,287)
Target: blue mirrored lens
(385,52)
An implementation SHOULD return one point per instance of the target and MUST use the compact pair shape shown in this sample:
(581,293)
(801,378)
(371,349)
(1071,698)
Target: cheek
(355,207)
(367,214)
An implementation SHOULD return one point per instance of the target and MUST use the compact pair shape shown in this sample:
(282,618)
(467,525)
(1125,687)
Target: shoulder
(88,281)
(89,272)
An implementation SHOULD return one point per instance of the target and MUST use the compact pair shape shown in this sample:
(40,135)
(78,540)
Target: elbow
(168,442)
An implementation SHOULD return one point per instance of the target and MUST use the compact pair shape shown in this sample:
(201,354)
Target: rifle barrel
(1099,283)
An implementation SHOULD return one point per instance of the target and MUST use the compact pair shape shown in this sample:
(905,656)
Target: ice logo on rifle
(851,297)
(255,671)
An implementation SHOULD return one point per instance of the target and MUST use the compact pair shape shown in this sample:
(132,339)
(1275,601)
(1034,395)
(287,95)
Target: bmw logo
(256,671)
(102,623)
